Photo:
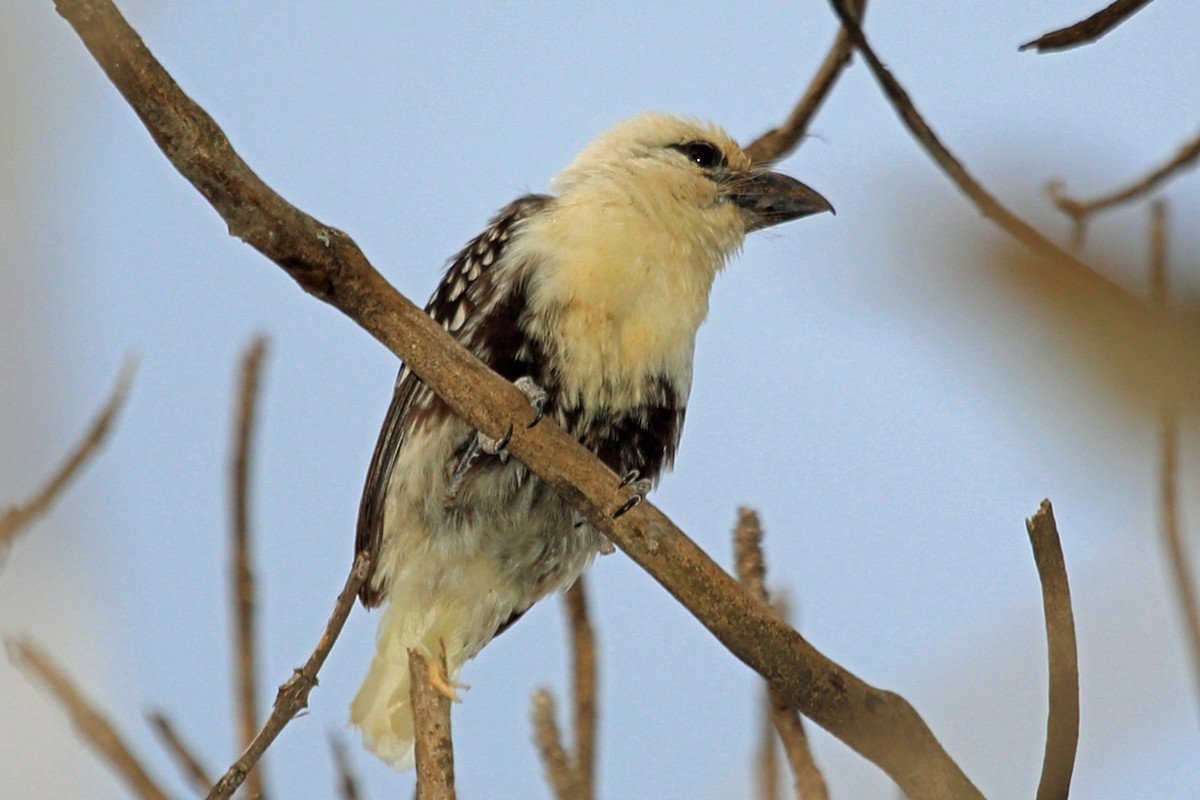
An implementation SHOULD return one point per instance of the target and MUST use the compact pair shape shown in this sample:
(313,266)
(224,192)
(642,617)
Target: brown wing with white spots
(467,291)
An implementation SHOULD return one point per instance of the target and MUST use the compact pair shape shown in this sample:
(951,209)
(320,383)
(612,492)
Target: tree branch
(184,757)
(1087,30)
(560,773)
(293,694)
(1081,211)
(17,518)
(434,748)
(583,668)
(242,573)
(779,142)
(807,780)
(90,723)
(347,782)
(1177,557)
(880,725)
(1062,723)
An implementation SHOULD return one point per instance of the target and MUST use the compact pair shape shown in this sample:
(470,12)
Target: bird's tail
(382,709)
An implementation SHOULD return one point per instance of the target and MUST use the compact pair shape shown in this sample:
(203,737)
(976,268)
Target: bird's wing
(458,298)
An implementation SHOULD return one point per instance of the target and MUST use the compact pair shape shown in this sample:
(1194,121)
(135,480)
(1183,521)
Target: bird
(589,300)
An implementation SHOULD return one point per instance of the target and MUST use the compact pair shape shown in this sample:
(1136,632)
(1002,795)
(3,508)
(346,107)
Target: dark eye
(701,154)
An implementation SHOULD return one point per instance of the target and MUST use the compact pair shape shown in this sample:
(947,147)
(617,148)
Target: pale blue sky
(863,380)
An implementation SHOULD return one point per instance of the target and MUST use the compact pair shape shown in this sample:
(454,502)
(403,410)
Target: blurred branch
(768,759)
(242,581)
(1062,723)
(1087,30)
(431,718)
(583,652)
(347,783)
(988,205)
(17,518)
(293,694)
(90,723)
(184,757)
(1080,211)
(779,142)
(807,779)
(1177,557)
(560,773)
(325,262)
(571,777)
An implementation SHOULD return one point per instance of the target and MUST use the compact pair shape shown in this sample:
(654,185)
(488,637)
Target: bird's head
(679,168)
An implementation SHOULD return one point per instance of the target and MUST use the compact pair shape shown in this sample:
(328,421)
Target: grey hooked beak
(769,198)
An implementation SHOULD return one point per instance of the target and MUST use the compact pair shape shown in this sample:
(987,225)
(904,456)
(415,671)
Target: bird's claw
(638,488)
(537,397)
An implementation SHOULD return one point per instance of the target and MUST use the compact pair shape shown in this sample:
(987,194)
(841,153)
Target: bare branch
(768,759)
(242,582)
(1081,211)
(1087,30)
(583,651)
(17,518)
(779,142)
(347,783)
(1177,556)
(880,725)
(90,723)
(431,718)
(293,694)
(808,782)
(560,773)
(1062,723)
(184,757)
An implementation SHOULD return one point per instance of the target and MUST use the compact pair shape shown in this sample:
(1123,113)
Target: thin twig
(560,773)
(768,758)
(779,142)
(1081,211)
(325,262)
(242,581)
(988,205)
(1177,556)
(90,723)
(1087,30)
(183,755)
(17,518)
(751,567)
(583,653)
(347,782)
(1062,722)
(433,745)
(293,694)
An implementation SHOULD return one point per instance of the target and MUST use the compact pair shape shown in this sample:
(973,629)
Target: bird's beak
(769,198)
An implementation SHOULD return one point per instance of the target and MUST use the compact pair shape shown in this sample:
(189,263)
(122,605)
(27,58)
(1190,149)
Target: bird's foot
(481,443)
(638,488)
(443,685)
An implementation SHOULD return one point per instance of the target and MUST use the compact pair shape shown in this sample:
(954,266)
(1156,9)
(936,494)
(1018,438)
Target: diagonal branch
(1087,30)
(91,724)
(293,694)
(242,581)
(1068,265)
(1080,211)
(193,771)
(1062,723)
(880,725)
(17,518)
(779,142)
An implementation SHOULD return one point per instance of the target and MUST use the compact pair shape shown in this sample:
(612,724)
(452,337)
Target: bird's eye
(701,154)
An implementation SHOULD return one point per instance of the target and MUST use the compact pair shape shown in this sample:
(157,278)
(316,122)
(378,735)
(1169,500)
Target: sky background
(874,383)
